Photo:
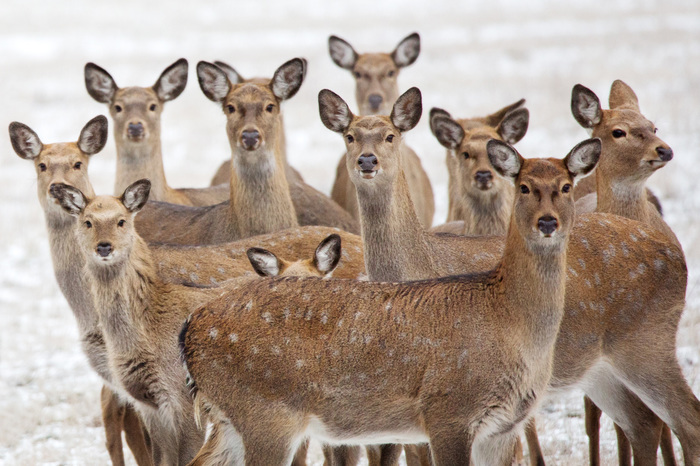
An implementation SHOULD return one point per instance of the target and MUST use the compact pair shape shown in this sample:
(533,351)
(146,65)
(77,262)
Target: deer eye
(655,130)
(566,188)
(524,189)
(350,138)
(618,133)
(465,155)
(117,108)
(391,73)
(153,107)
(121,223)
(88,224)
(78,165)
(357,75)
(390,138)
(270,108)
(230,108)
(42,167)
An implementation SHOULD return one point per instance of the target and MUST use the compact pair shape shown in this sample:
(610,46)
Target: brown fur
(140,156)
(376,75)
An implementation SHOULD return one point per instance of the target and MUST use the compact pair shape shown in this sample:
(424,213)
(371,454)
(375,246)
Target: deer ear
(136,195)
(514,125)
(622,96)
(99,84)
(230,71)
(342,52)
(25,141)
(265,263)
(505,160)
(407,51)
(585,106)
(436,112)
(447,131)
(288,78)
(93,136)
(327,254)
(71,199)
(335,113)
(583,157)
(172,81)
(407,110)
(213,81)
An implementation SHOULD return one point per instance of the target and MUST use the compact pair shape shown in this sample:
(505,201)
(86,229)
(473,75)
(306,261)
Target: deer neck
(142,160)
(487,213)
(395,244)
(260,198)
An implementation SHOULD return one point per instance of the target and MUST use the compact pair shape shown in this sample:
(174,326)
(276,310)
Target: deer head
(322,264)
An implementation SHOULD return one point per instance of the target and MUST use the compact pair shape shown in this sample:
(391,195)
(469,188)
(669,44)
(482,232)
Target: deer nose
(367,162)
(547,224)
(483,176)
(664,153)
(104,249)
(250,139)
(135,130)
(375,100)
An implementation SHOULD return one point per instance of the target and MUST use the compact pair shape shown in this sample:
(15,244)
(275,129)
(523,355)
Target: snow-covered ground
(476,57)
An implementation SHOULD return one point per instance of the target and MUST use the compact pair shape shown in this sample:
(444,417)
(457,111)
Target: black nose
(547,224)
(367,162)
(250,139)
(104,249)
(483,176)
(135,130)
(664,154)
(375,100)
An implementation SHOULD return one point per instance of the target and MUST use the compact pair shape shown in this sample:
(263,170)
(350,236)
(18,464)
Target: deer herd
(233,323)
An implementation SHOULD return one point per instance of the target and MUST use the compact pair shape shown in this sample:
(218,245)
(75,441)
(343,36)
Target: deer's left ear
(172,81)
(583,157)
(136,195)
(504,158)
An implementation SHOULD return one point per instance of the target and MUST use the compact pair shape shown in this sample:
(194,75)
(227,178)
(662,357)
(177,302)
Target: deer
(376,90)
(395,250)
(136,113)
(260,200)
(462,383)
(631,154)
(479,200)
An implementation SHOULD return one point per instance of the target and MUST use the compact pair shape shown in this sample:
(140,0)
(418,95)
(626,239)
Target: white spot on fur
(572,272)
(582,263)
(267,317)
(633,237)
(286,313)
(254,349)
(233,337)
(300,363)
(324,317)
(213,332)
(249,306)
(388,306)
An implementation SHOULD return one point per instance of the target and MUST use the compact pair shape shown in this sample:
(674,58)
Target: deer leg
(344,455)
(624,449)
(136,438)
(533,443)
(300,455)
(417,455)
(112,419)
(386,455)
(223,446)
(667,447)
(592,416)
(451,449)
(496,449)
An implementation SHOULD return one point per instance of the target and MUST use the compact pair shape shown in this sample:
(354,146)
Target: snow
(476,57)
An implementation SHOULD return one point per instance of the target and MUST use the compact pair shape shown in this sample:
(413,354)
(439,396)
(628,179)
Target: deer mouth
(368,174)
(656,164)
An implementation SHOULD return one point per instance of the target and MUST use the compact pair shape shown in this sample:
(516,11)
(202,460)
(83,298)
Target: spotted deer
(443,368)
(376,90)
(631,154)
(479,200)
(136,113)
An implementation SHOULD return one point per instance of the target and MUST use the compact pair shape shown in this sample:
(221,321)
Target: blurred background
(476,57)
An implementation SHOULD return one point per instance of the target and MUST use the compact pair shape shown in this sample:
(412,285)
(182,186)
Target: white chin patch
(368,175)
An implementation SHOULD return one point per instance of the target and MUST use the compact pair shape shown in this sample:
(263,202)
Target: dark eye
(618,133)
(350,138)
(655,130)
(465,155)
(391,74)
(117,108)
(230,108)
(390,138)
(78,165)
(42,167)
(357,75)
(524,189)
(88,224)
(270,108)
(153,107)
(121,223)
(566,188)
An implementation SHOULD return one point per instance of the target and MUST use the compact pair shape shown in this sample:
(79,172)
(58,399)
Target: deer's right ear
(342,53)
(505,160)
(99,84)
(583,157)
(213,81)
(264,262)
(407,110)
(514,125)
(335,113)
(25,141)
(407,51)
(327,254)
(232,74)
(71,199)
(93,136)
(447,131)
(172,81)
(585,106)
(136,195)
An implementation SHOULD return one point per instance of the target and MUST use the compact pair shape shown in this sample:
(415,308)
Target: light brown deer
(631,154)
(136,115)
(479,201)
(444,369)
(376,91)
